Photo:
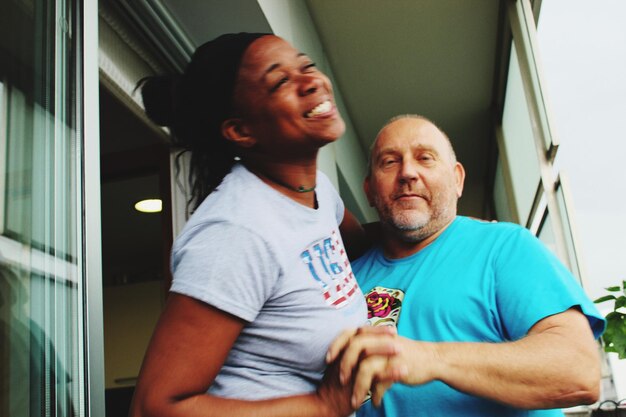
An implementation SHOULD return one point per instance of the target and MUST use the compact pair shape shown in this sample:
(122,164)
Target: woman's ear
(235,131)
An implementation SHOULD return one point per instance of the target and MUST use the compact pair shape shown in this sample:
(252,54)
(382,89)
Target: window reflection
(41,319)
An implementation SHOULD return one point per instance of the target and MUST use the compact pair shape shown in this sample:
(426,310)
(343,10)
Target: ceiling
(438,58)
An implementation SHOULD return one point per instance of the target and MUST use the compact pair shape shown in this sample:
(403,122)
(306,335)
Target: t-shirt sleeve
(532,284)
(226,266)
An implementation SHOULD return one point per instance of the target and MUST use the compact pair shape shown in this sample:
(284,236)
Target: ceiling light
(153,205)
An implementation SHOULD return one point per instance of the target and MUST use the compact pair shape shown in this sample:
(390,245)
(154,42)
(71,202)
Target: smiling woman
(262,283)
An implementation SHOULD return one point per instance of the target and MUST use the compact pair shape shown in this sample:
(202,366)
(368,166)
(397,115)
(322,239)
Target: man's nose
(409,171)
(309,83)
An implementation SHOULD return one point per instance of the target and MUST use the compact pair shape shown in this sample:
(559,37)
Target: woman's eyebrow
(278,65)
(270,69)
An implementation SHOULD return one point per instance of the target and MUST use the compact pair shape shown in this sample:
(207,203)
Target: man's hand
(379,358)
(555,365)
(371,357)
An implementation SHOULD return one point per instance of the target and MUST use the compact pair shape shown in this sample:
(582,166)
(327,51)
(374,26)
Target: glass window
(585,61)
(564,206)
(41,316)
(520,145)
(546,233)
(502,204)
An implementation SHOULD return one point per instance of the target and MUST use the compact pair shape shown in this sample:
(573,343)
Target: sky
(582,46)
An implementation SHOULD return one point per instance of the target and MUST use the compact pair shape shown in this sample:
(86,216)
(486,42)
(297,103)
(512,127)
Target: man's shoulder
(480,227)
(475,235)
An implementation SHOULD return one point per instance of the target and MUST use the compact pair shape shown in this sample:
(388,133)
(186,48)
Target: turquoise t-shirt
(477,282)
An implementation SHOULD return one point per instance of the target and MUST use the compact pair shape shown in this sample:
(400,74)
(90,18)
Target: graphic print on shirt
(329,266)
(383,306)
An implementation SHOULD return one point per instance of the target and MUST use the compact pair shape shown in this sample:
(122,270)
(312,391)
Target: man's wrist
(424,362)
(438,363)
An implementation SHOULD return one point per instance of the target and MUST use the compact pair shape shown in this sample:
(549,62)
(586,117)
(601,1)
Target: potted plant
(614,337)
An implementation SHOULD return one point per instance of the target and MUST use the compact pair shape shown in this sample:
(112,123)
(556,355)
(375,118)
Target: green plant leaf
(611,316)
(605,298)
(614,337)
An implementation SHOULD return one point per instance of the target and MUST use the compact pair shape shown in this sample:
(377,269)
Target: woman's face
(285,102)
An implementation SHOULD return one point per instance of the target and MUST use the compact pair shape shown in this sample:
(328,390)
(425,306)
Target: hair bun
(159,97)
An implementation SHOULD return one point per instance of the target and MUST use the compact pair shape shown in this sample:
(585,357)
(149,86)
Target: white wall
(290,19)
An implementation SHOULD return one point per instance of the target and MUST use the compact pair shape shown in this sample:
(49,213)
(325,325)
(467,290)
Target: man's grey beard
(411,233)
(419,229)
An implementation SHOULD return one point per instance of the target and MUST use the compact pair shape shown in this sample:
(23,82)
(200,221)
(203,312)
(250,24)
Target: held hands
(333,395)
(373,358)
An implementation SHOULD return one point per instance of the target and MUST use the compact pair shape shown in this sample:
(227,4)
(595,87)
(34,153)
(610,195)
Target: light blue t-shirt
(477,282)
(252,252)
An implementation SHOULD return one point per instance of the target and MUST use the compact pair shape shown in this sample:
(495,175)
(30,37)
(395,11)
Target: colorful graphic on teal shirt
(384,305)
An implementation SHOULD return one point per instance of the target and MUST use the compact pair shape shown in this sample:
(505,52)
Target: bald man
(489,322)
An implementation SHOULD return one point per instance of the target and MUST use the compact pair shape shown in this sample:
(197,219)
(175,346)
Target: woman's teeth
(321,108)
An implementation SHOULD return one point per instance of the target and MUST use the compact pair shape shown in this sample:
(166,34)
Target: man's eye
(309,67)
(426,157)
(388,162)
(279,84)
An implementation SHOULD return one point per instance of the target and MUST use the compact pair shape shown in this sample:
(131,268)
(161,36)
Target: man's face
(414,182)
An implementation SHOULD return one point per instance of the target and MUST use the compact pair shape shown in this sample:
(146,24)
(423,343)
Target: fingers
(377,373)
(343,339)
(368,370)
(365,345)
(339,344)
(378,390)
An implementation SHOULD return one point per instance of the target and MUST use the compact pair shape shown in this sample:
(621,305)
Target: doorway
(134,159)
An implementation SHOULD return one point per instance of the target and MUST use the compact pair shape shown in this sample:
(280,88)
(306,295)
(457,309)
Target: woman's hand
(335,395)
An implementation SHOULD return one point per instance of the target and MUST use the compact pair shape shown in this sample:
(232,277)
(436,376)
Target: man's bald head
(408,116)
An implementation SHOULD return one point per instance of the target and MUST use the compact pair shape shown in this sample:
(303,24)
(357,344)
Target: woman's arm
(188,348)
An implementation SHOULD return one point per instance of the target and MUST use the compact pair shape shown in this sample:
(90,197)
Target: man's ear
(368,191)
(235,131)
(459,174)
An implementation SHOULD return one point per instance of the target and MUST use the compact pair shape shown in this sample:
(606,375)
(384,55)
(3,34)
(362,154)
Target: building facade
(80,289)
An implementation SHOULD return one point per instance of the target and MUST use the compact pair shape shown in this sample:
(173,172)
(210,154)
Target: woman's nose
(309,83)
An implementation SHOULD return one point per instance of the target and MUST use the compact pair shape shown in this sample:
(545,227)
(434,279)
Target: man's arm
(353,235)
(555,365)
(357,237)
(189,346)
